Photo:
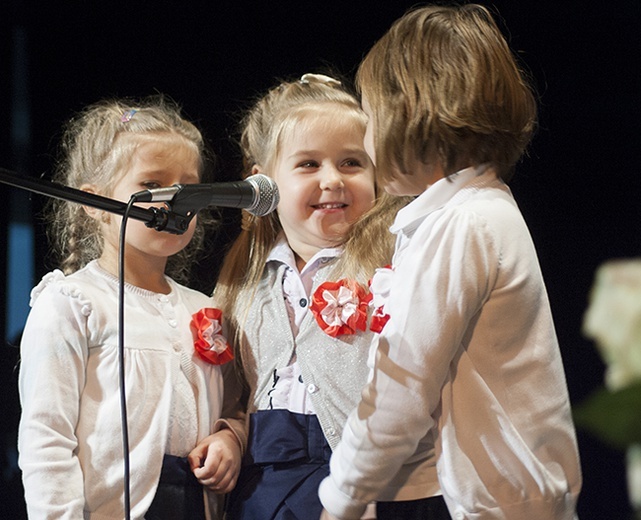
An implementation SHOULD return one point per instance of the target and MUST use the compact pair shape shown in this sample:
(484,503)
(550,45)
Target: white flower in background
(613,320)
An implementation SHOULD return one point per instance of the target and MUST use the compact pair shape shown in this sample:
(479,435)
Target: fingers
(198,455)
(216,462)
(223,485)
(218,474)
(196,458)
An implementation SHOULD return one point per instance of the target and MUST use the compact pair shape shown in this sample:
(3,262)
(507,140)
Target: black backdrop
(579,188)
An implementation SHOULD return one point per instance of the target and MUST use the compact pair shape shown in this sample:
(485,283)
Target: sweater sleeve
(51,380)
(235,397)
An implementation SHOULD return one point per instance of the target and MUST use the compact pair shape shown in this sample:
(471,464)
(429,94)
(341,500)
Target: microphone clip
(177,214)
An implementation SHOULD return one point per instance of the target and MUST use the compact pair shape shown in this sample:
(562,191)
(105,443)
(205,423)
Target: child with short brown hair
(467,412)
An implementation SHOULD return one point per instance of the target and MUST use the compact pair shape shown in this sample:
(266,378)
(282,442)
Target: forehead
(166,145)
(142,154)
(315,121)
(160,147)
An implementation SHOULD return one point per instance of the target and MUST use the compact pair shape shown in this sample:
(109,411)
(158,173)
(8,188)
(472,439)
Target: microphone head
(267,196)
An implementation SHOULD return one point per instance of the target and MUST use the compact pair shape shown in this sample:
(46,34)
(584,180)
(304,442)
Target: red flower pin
(379,319)
(340,307)
(210,344)
(380,286)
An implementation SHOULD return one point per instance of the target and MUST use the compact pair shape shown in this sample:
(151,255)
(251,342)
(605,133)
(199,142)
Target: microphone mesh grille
(267,195)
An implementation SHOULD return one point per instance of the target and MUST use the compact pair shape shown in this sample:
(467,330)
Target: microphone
(258,194)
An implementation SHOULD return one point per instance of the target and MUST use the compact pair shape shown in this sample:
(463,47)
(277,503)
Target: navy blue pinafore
(287,457)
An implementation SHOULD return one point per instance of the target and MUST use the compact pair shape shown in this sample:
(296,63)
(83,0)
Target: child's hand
(215,462)
(326,516)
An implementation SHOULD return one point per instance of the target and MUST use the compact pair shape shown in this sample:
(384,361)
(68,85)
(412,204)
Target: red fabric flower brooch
(210,344)
(380,286)
(340,307)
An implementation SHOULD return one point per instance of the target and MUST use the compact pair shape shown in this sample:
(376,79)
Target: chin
(334,237)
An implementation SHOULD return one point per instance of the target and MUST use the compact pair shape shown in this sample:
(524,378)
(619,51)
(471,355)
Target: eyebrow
(348,151)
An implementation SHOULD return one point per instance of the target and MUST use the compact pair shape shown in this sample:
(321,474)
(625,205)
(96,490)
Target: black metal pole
(158,218)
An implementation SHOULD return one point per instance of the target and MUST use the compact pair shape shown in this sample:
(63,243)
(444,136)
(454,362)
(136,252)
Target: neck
(300,262)
(146,275)
(303,253)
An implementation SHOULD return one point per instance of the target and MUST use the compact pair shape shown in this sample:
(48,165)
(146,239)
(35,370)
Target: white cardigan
(70,438)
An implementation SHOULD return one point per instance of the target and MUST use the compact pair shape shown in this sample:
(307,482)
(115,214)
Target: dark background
(578,188)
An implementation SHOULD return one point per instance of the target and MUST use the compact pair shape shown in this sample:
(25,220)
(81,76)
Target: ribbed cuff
(338,503)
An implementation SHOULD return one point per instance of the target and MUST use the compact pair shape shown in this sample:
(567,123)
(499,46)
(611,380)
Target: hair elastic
(126,117)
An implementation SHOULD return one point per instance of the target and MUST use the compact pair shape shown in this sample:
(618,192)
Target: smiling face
(325,179)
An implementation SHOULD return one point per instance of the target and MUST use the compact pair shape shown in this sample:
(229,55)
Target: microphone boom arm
(159,219)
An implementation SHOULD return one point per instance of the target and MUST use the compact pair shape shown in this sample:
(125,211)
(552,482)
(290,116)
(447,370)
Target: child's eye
(352,163)
(150,185)
(308,164)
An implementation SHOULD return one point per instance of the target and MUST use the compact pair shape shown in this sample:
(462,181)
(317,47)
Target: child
(294,291)
(468,398)
(70,435)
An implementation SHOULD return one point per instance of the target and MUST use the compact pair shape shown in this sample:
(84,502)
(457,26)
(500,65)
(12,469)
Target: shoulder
(476,210)
(192,297)
(56,288)
(492,211)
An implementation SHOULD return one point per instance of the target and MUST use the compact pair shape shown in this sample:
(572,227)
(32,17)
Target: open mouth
(330,205)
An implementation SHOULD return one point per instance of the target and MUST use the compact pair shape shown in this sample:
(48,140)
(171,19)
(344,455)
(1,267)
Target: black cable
(121,356)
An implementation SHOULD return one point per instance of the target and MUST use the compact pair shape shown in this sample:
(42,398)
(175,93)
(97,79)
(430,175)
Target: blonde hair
(268,123)
(443,85)
(97,146)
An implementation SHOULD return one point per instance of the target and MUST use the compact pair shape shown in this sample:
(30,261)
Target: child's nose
(331,179)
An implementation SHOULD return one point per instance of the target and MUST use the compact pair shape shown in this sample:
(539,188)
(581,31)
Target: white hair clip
(319,78)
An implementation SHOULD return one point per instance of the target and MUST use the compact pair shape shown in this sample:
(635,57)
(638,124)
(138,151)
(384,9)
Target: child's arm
(215,462)
(235,398)
(52,375)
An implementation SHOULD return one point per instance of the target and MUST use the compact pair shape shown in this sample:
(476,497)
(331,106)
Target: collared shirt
(289,390)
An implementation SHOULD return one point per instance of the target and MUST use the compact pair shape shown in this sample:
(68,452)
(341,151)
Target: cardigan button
(312,388)
(302,302)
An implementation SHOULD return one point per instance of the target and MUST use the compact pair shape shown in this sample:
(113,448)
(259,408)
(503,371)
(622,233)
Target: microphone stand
(160,219)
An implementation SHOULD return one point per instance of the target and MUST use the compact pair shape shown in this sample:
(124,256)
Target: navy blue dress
(179,495)
(287,457)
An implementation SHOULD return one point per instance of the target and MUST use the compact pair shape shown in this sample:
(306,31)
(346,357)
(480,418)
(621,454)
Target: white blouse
(468,396)
(289,391)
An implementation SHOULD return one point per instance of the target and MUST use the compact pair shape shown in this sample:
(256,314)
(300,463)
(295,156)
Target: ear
(256,169)
(94,213)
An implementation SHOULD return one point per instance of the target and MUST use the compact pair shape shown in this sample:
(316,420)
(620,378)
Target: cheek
(295,194)
(368,143)
(364,195)
(188,235)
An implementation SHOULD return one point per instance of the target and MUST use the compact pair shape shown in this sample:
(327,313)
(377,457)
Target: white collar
(282,252)
(438,194)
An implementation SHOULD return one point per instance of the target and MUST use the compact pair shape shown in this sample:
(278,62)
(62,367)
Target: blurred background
(578,188)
